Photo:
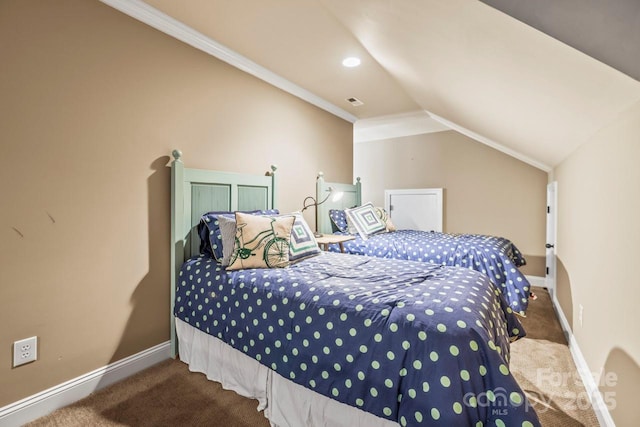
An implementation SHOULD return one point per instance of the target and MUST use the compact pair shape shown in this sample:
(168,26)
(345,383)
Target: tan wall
(92,104)
(598,246)
(485,191)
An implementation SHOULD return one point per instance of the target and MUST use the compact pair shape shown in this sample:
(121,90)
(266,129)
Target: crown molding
(491,143)
(395,126)
(400,125)
(421,122)
(160,21)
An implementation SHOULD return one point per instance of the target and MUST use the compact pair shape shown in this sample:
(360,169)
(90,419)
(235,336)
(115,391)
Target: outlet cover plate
(25,351)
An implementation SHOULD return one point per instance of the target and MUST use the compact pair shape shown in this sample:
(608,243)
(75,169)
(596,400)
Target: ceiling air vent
(355,102)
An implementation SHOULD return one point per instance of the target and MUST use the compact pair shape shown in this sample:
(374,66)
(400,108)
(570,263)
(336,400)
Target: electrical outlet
(25,351)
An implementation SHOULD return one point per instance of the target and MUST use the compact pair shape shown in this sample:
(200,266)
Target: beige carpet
(544,368)
(169,395)
(166,394)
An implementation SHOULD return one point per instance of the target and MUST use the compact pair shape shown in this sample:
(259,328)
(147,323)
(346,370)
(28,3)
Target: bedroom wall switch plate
(25,351)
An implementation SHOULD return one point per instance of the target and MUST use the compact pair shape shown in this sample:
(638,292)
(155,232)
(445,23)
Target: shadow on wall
(620,380)
(148,324)
(563,291)
(620,388)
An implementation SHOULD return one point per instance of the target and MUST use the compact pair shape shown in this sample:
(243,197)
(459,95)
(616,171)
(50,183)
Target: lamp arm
(305,205)
(313,202)
(326,198)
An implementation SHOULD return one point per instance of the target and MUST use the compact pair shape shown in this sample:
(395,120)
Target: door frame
(551,244)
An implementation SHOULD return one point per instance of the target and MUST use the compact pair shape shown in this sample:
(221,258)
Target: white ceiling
(470,66)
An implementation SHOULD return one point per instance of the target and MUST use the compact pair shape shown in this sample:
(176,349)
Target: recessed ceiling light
(351,61)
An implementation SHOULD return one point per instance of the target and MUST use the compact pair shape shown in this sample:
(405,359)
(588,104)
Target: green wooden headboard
(197,191)
(351,196)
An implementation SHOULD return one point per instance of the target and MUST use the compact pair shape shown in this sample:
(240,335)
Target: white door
(552,220)
(419,209)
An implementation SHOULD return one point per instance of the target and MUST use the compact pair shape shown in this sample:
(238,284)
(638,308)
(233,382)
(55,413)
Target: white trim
(395,126)
(155,18)
(47,401)
(599,406)
(491,143)
(536,281)
(551,233)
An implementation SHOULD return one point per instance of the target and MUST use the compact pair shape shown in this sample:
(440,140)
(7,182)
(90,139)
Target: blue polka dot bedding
(419,344)
(497,257)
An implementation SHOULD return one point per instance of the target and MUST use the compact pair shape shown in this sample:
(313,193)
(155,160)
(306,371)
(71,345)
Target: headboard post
(177,241)
(320,209)
(273,185)
(319,183)
(358,185)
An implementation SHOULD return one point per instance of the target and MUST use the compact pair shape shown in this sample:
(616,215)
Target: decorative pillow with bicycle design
(261,242)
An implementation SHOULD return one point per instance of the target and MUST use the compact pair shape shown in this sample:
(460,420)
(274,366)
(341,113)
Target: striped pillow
(365,220)
(302,243)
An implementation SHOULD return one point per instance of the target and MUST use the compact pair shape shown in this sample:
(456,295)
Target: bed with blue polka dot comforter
(497,257)
(414,343)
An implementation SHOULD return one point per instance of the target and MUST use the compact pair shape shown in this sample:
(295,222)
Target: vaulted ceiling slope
(467,64)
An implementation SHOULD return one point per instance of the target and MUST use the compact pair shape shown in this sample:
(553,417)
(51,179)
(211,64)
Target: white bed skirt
(285,403)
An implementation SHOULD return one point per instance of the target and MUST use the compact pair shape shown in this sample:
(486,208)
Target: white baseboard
(538,281)
(47,401)
(597,402)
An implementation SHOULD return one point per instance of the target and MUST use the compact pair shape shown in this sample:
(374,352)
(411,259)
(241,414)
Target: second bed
(495,256)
